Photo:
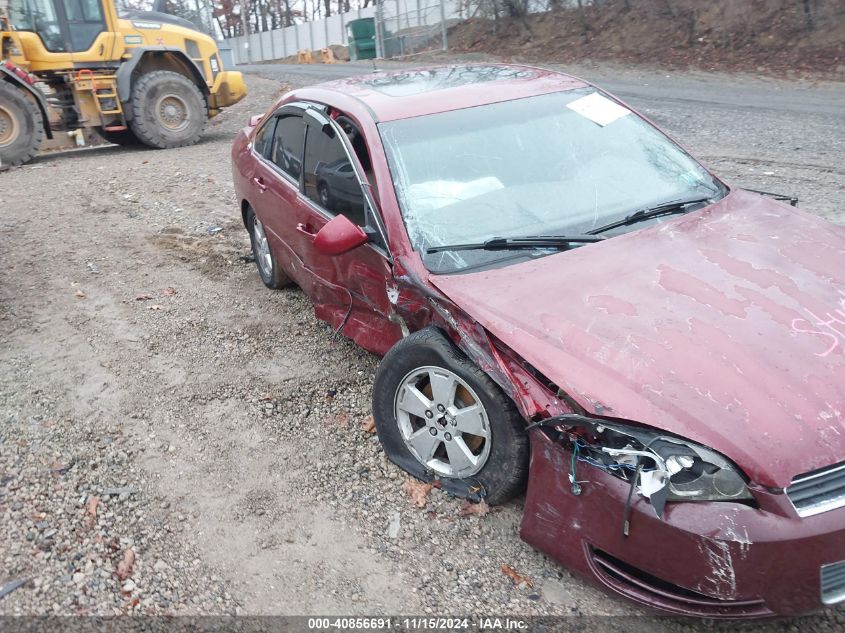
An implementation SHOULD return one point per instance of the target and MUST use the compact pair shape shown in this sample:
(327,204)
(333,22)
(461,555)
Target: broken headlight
(705,476)
(658,467)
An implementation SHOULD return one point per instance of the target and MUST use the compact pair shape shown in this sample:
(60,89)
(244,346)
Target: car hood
(725,326)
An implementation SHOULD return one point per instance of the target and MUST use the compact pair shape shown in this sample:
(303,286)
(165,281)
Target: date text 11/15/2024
(427,623)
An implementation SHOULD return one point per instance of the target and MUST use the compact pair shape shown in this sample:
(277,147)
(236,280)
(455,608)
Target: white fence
(318,34)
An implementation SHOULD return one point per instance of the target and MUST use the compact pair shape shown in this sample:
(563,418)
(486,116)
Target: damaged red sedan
(565,299)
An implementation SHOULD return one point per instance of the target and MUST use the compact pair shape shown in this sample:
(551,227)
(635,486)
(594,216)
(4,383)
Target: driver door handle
(259,182)
(306,230)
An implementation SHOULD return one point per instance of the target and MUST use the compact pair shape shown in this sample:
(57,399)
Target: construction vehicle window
(38,16)
(85,22)
(287,145)
(330,179)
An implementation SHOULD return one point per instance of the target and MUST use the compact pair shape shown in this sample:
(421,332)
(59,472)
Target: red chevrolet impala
(566,299)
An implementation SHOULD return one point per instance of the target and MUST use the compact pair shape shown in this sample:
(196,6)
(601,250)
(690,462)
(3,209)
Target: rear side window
(264,138)
(287,146)
(85,22)
(330,180)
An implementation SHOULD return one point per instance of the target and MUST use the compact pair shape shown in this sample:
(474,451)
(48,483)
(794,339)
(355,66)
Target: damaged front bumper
(708,559)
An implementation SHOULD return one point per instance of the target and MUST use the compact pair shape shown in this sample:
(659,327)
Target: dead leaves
(417,491)
(80,294)
(468,508)
(368,425)
(515,576)
(170,291)
(341,419)
(91,511)
(125,566)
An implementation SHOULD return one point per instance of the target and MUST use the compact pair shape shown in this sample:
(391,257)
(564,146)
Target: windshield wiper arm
(666,208)
(517,243)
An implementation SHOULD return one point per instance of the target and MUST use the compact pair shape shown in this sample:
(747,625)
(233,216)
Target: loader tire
(168,110)
(123,137)
(21,126)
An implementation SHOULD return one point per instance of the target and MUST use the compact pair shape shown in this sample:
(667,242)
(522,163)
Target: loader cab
(64,26)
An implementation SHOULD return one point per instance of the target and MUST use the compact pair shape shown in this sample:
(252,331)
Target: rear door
(276,183)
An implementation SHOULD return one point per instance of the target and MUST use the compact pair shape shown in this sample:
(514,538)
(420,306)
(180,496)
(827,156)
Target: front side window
(330,179)
(556,164)
(287,145)
(38,16)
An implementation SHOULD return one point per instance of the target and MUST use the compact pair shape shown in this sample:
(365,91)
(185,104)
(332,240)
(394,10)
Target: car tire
(168,110)
(417,361)
(21,126)
(122,137)
(325,196)
(268,269)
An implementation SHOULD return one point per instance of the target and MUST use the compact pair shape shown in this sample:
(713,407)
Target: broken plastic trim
(658,467)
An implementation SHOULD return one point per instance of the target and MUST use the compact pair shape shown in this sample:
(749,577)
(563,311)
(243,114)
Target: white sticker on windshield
(598,109)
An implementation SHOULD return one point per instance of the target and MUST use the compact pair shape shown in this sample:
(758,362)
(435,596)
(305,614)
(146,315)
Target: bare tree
(809,15)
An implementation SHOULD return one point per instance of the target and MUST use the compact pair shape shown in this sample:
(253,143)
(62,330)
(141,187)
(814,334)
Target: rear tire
(124,137)
(168,110)
(268,268)
(21,126)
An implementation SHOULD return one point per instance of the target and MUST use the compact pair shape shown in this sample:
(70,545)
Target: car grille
(818,491)
(833,582)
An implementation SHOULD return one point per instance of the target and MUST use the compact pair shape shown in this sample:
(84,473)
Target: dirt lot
(219,425)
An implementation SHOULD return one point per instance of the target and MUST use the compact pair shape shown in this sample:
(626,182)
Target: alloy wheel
(262,249)
(443,422)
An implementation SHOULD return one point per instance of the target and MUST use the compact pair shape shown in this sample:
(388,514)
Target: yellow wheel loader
(142,77)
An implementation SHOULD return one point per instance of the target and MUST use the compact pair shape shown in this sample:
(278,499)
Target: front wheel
(439,415)
(168,110)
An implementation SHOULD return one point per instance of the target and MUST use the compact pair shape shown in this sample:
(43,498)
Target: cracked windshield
(556,164)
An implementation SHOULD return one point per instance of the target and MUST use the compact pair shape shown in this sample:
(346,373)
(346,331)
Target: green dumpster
(361,35)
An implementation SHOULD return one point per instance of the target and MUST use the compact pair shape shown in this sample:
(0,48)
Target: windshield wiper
(666,208)
(517,243)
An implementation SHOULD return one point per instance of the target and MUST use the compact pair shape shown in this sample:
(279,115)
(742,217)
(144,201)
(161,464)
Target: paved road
(762,133)
(642,86)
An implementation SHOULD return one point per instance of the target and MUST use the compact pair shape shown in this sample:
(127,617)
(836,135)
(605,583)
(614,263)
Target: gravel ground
(176,439)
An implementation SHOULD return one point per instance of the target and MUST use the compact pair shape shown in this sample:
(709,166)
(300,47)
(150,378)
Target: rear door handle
(306,231)
(259,182)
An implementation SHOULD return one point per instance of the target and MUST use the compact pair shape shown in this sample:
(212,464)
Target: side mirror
(255,119)
(339,235)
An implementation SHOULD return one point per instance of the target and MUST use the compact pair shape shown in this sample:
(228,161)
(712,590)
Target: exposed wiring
(579,444)
(626,514)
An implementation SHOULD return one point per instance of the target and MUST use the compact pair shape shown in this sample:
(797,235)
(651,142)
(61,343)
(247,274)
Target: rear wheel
(269,271)
(21,126)
(122,137)
(168,110)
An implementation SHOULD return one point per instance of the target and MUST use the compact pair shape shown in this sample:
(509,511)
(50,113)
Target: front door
(352,289)
(84,21)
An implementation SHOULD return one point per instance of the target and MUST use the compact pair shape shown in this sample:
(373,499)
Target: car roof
(419,91)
